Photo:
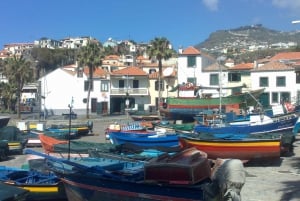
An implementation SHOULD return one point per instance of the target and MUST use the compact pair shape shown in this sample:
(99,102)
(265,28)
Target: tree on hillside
(18,72)
(7,92)
(90,56)
(159,49)
(47,60)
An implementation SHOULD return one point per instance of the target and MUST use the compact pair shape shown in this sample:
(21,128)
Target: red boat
(189,166)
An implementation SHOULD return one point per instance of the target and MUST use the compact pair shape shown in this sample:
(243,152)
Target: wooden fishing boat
(150,139)
(175,127)
(257,123)
(41,184)
(12,193)
(190,166)
(81,129)
(15,139)
(62,148)
(109,179)
(243,149)
(145,117)
(48,142)
(4,121)
(187,108)
(4,150)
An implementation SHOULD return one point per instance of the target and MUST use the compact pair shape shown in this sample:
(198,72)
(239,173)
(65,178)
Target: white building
(61,88)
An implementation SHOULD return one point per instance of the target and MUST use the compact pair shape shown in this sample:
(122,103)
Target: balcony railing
(131,91)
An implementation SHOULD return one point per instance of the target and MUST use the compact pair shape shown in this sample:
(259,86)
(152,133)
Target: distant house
(278,79)
(129,90)
(65,86)
(240,75)
(17,48)
(191,67)
(47,43)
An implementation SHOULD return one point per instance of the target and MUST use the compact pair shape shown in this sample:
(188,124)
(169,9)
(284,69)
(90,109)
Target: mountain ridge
(246,36)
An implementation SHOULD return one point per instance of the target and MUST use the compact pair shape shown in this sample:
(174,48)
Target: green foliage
(50,59)
(160,49)
(18,72)
(90,56)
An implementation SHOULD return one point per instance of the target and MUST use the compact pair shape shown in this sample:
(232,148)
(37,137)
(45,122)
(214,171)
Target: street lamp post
(69,136)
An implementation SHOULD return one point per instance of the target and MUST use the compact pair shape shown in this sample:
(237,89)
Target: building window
(191,61)
(280,81)
(234,77)
(274,97)
(121,84)
(86,85)
(152,71)
(135,84)
(214,79)
(285,97)
(105,68)
(161,85)
(192,80)
(263,82)
(297,77)
(104,86)
(113,68)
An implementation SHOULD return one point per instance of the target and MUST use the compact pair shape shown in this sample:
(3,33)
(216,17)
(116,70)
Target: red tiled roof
(286,56)
(274,66)
(242,66)
(99,72)
(141,58)
(191,51)
(110,57)
(156,74)
(132,70)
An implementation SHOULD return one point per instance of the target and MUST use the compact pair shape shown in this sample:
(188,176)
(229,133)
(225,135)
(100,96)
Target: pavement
(276,180)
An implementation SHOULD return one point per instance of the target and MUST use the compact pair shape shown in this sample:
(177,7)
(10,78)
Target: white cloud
(211,4)
(293,5)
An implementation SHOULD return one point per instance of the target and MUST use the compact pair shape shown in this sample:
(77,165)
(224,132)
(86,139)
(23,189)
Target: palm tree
(90,56)
(18,72)
(160,49)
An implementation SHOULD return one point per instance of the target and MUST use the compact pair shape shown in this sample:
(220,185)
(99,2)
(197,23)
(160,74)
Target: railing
(131,91)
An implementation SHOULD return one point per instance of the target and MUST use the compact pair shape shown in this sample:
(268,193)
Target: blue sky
(183,22)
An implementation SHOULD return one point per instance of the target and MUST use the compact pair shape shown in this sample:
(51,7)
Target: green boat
(187,108)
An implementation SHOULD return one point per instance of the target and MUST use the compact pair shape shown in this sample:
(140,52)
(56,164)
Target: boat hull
(168,140)
(187,108)
(279,124)
(252,149)
(89,188)
(40,185)
(4,121)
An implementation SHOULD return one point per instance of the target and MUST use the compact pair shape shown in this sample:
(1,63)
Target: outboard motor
(228,178)
(90,125)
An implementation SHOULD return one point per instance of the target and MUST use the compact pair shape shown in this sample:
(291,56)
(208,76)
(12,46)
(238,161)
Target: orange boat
(245,149)
(49,142)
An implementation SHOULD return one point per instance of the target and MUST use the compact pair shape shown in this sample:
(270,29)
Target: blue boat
(42,184)
(144,139)
(184,176)
(256,125)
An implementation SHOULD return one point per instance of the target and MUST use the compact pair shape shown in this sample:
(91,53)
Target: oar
(55,159)
(83,168)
